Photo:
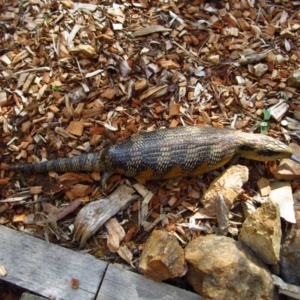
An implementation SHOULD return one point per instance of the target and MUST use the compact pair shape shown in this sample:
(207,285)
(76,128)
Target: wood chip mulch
(76,77)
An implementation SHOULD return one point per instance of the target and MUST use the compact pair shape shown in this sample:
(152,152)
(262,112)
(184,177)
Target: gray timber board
(47,269)
(120,284)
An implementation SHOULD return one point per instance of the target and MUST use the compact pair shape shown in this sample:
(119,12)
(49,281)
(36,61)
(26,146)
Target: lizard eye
(268,153)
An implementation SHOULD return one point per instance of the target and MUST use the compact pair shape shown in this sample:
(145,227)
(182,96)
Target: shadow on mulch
(9,291)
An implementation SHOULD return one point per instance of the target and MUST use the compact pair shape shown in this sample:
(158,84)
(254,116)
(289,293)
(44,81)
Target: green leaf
(267,114)
(55,88)
(264,127)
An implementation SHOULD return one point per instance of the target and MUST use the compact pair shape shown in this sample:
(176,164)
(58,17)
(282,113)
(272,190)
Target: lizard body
(170,153)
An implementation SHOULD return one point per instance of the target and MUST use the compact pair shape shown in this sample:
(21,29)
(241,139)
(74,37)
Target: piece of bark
(116,234)
(154,92)
(286,288)
(96,213)
(75,128)
(222,214)
(150,29)
(81,190)
(174,109)
(140,85)
(84,51)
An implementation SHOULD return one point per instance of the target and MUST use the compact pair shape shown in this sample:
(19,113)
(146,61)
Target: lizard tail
(88,162)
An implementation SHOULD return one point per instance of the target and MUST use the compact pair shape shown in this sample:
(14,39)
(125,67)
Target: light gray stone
(221,268)
(261,232)
(229,184)
(162,257)
(290,250)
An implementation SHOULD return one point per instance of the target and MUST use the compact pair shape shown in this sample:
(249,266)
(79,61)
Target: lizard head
(263,148)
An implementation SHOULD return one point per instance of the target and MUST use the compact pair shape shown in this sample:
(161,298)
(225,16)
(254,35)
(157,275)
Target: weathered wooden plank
(120,284)
(48,269)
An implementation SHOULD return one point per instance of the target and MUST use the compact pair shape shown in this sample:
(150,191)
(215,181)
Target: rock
(296,197)
(162,258)
(290,250)
(261,232)
(264,187)
(221,268)
(282,195)
(288,170)
(229,183)
(248,208)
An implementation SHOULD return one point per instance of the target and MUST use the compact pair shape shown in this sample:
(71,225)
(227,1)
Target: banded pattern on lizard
(170,153)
